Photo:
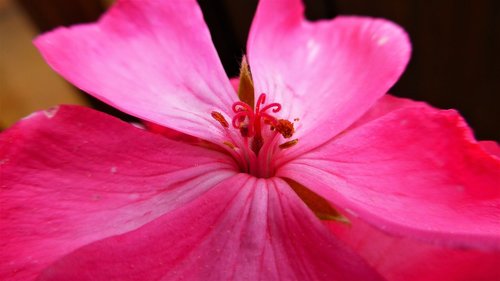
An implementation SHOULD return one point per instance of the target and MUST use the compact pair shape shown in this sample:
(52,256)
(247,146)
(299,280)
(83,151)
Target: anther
(288,144)
(230,145)
(285,128)
(218,116)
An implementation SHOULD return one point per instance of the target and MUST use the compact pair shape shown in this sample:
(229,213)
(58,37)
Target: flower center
(260,131)
(250,122)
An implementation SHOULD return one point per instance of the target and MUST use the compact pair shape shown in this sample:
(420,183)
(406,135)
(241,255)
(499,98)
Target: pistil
(256,148)
(250,121)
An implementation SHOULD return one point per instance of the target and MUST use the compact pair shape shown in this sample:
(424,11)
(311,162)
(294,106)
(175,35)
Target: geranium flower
(248,187)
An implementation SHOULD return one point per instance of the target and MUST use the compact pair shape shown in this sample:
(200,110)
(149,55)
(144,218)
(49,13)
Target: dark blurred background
(456,46)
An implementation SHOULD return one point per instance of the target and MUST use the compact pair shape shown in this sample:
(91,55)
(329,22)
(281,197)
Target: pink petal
(399,258)
(491,147)
(386,104)
(235,83)
(152,59)
(243,229)
(325,73)
(71,176)
(170,133)
(416,172)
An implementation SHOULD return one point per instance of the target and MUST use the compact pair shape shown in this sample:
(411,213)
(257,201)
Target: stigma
(251,122)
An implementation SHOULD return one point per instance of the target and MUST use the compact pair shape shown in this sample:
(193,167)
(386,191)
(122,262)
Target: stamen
(285,128)
(220,118)
(230,145)
(268,119)
(288,144)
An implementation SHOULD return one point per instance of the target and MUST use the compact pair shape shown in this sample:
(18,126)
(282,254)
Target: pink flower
(236,192)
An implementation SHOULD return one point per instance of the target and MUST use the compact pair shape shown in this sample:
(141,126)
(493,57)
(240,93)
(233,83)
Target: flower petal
(325,73)
(416,172)
(491,147)
(399,258)
(152,59)
(386,104)
(243,229)
(71,176)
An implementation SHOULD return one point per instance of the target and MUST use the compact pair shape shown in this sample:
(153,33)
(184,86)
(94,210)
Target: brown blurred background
(455,63)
